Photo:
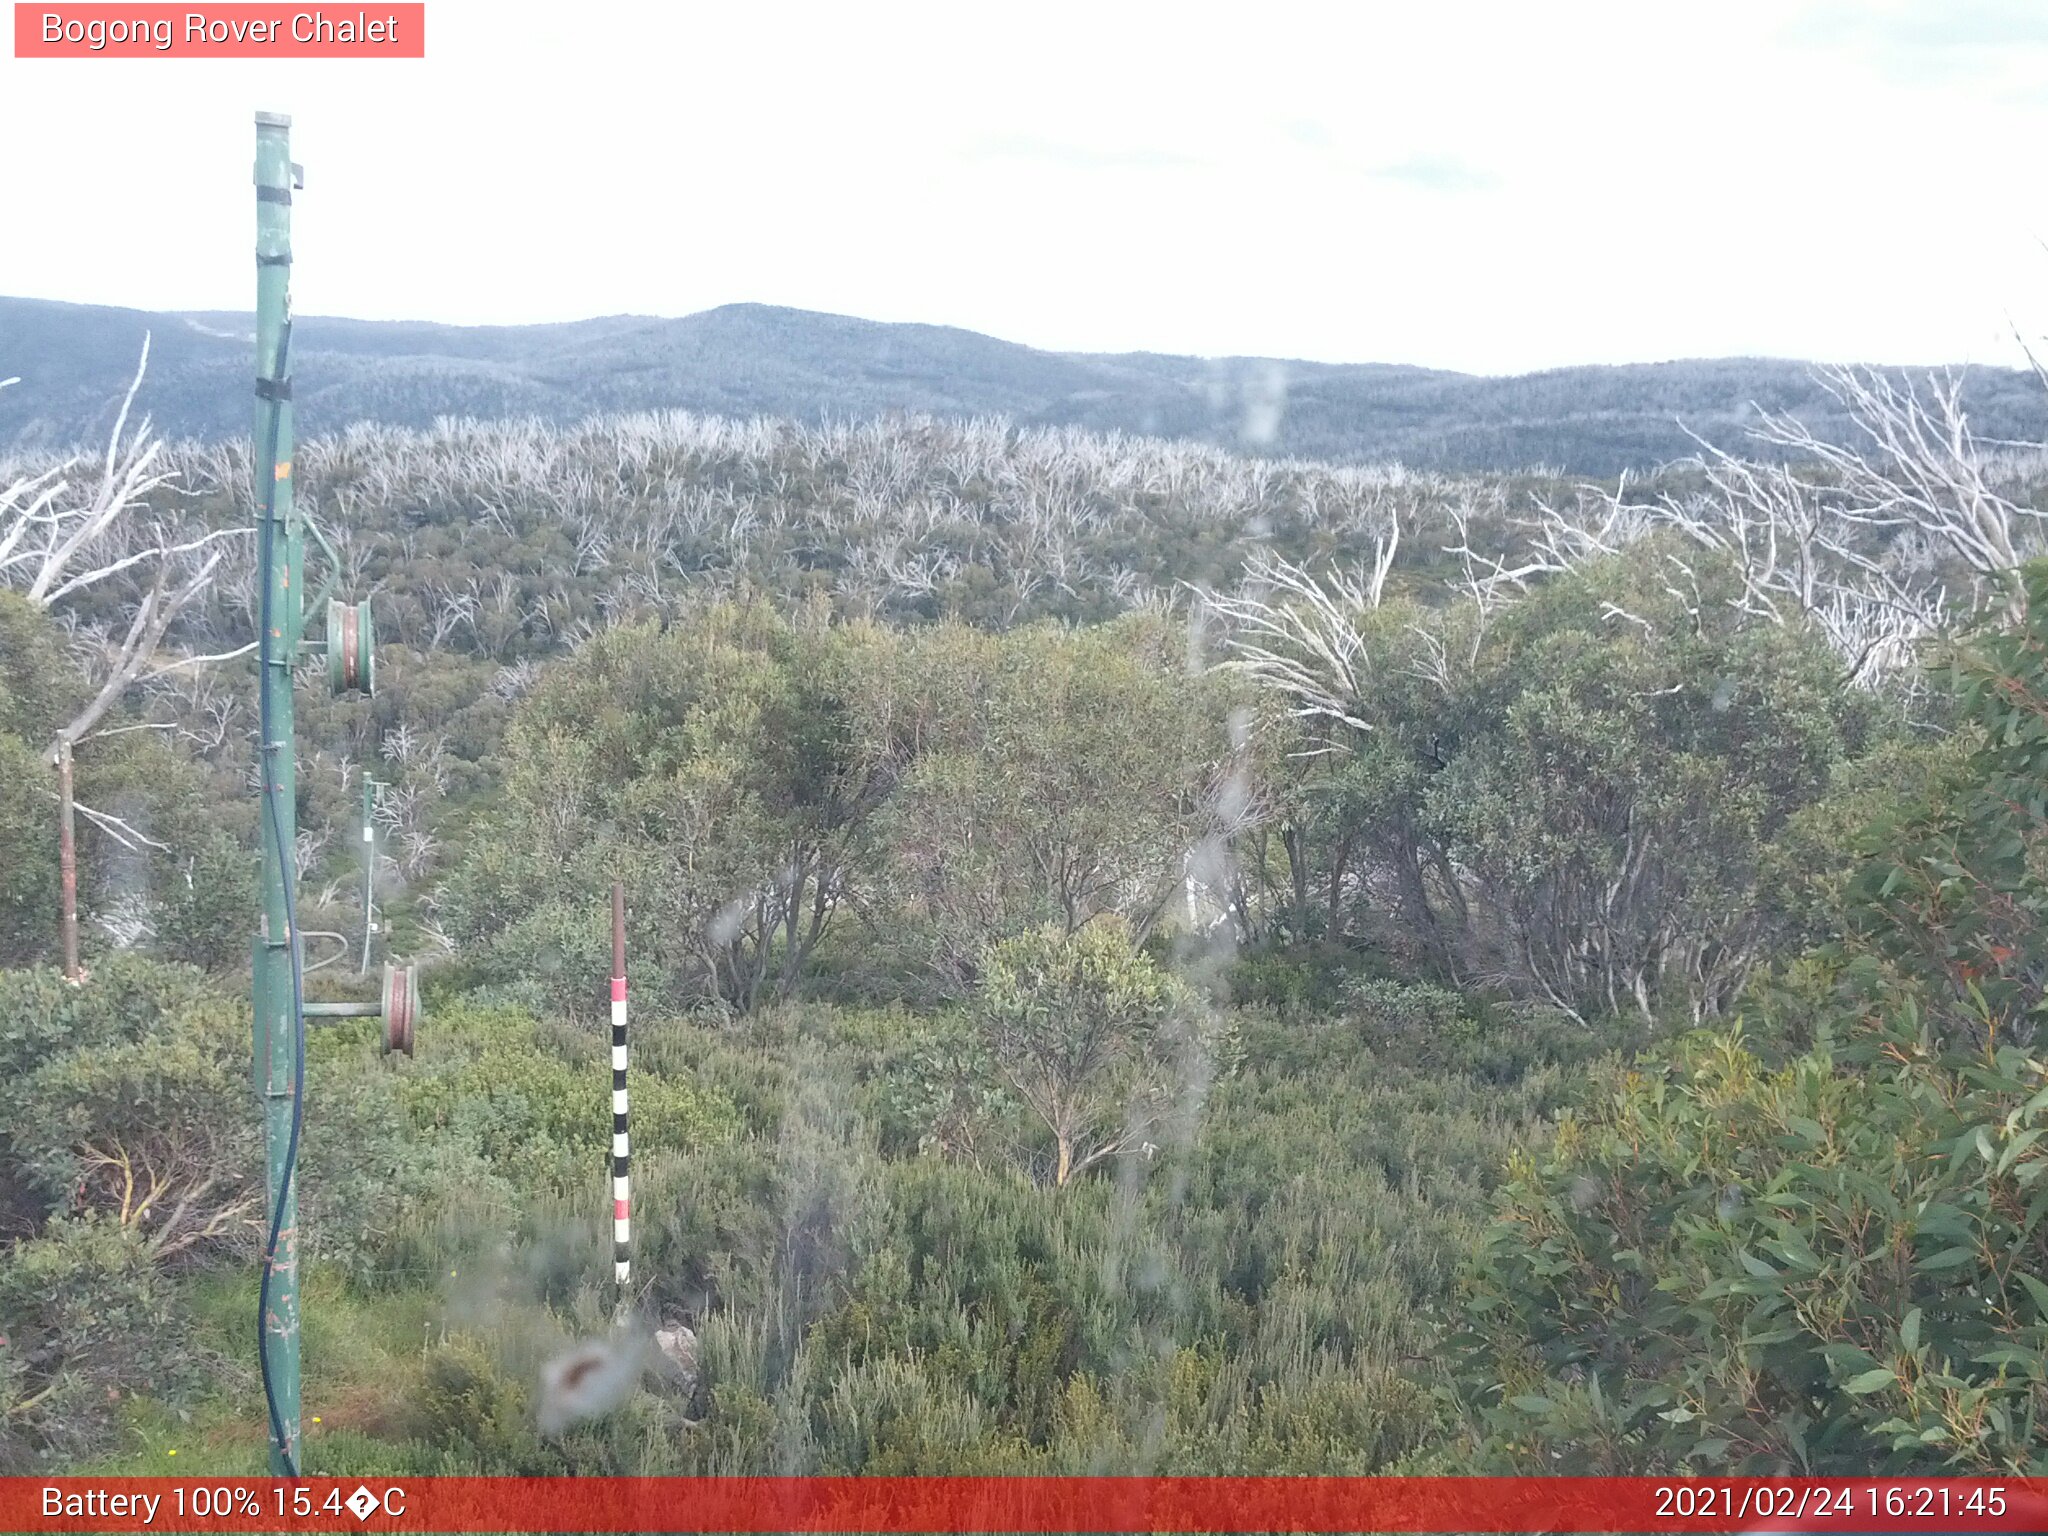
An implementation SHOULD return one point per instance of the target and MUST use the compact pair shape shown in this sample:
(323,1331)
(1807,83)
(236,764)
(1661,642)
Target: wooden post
(67,864)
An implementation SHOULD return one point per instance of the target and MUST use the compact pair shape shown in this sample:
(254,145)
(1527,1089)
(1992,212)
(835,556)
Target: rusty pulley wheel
(401,1007)
(351,648)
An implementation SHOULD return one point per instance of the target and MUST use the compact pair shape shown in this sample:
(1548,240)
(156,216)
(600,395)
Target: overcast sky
(1492,187)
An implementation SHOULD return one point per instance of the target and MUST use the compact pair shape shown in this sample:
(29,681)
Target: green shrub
(1951,887)
(468,1401)
(370,1181)
(89,1317)
(1834,1267)
(1299,982)
(1094,1038)
(488,1085)
(28,854)
(1444,1031)
(42,1015)
(204,916)
(159,1131)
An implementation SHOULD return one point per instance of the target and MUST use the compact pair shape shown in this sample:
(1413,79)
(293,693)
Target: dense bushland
(1833,1259)
(1258,1294)
(1146,997)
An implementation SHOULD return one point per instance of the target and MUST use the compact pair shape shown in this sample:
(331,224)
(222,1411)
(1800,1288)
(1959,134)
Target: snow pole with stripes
(622,1219)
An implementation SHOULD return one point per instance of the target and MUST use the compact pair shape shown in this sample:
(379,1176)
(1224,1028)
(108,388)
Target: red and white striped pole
(622,1221)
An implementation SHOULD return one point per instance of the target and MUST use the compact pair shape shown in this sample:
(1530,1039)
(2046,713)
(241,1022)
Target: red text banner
(374,31)
(1847,1507)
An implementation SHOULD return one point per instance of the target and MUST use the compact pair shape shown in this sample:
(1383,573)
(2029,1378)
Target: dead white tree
(1300,635)
(1801,551)
(1852,537)
(69,529)
(449,609)
(1556,541)
(1848,537)
(1916,463)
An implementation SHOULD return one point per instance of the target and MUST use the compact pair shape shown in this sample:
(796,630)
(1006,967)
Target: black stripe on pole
(618,1034)
(618,1077)
(619,1124)
(619,1165)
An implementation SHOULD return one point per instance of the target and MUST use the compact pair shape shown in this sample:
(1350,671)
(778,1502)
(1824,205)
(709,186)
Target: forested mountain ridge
(754,359)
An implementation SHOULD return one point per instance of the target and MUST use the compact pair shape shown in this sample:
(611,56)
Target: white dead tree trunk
(1849,537)
(63,534)
(1299,634)
(1918,465)
(1803,552)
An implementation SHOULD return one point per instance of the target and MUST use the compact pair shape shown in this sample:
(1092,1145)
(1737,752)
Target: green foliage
(712,765)
(205,916)
(152,784)
(1094,1038)
(1444,1031)
(39,685)
(1619,807)
(1306,981)
(1245,1306)
(976,838)
(1837,1264)
(535,1118)
(1836,1267)
(155,1131)
(948,1096)
(465,1400)
(369,1182)
(1049,776)
(1954,884)
(127,1142)
(750,776)
(1256,1297)
(88,1315)
(43,1017)
(1590,794)
(28,854)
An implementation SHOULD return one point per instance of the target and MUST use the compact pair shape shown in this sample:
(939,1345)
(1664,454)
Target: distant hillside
(745,359)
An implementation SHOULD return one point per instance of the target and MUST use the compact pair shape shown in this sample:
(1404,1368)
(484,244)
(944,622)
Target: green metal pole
(277,1025)
(369,870)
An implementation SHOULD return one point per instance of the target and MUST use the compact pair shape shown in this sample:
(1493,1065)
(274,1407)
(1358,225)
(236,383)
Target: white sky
(1484,186)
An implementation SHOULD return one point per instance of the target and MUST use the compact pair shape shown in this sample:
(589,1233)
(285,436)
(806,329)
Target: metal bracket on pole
(397,1007)
(321,593)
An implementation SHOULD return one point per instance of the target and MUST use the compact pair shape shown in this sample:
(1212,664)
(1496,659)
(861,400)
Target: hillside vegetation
(1145,958)
(754,359)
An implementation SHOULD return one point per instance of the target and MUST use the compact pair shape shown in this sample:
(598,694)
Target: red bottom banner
(1848,1507)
